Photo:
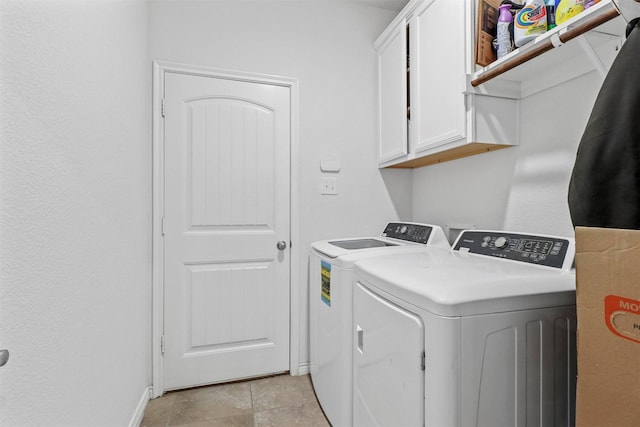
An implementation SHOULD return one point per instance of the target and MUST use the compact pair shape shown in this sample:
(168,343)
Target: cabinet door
(437,74)
(392,92)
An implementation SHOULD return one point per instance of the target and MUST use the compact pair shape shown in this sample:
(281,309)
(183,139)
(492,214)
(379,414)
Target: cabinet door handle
(360,333)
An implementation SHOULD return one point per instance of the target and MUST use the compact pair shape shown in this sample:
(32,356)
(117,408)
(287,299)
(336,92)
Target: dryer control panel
(533,249)
(416,233)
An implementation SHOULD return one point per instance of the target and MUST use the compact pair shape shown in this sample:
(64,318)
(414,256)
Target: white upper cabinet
(444,120)
(392,90)
(437,55)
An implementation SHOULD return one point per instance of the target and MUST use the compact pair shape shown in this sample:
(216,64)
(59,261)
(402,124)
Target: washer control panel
(416,233)
(532,249)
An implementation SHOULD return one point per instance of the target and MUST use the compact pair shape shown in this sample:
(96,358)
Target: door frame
(160,69)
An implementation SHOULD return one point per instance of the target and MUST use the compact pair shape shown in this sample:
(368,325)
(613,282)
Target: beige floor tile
(306,415)
(211,403)
(281,391)
(158,411)
(245,420)
(280,401)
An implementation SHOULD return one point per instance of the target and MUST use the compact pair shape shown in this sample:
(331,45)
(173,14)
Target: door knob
(281,245)
(4,357)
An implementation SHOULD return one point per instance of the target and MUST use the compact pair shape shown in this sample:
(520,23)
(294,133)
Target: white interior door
(227,206)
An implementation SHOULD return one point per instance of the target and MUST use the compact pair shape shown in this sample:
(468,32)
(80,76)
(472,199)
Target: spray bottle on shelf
(504,39)
(530,22)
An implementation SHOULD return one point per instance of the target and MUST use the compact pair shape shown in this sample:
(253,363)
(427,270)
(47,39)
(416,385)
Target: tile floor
(280,400)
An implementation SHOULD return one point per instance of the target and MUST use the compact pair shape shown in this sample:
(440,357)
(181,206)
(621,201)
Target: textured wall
(75,194)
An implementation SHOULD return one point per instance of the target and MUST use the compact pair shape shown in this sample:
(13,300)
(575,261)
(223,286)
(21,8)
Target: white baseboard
(138,415)
(303,369)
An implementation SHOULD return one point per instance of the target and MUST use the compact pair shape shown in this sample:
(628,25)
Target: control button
(484,244)
(487,238)
(501,242)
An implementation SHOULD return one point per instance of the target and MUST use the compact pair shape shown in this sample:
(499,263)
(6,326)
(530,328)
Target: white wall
(523,188)
(75,194)
(327,46)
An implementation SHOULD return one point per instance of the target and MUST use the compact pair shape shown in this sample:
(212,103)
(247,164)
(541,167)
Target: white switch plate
(329,185)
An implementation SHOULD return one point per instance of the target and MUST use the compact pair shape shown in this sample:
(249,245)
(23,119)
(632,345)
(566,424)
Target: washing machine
(481,335)
(331,306)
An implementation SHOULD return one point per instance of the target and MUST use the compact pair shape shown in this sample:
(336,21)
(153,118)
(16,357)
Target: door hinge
(162,344)
(423,363)
(163,110)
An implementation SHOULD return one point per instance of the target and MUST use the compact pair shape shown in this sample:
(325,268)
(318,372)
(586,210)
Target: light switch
(329,185)
(330,164)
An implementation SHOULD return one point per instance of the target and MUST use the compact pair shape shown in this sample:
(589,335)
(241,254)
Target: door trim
(160,69)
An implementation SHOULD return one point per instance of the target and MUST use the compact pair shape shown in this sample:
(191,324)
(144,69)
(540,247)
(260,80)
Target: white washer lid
(348,260)
(333,251)
(349,246)
(450,283)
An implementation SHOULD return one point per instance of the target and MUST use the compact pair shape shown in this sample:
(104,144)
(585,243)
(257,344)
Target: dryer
(331,306)
(481,335)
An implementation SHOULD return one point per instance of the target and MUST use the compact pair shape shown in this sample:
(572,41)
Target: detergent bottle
(589,3)
(530,22)
(567,9)
(551,13)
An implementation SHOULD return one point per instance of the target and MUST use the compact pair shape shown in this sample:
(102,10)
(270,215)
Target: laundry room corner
(399,185)
(522,187)
(315,212)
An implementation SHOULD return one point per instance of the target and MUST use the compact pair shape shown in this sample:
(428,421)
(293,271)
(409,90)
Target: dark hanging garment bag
(604,190)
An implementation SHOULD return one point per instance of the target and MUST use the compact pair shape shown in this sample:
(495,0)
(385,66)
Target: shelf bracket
(593,56)
(555,40)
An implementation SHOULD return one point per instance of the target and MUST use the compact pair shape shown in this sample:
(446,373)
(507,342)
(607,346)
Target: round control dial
(501,242)
(403,229)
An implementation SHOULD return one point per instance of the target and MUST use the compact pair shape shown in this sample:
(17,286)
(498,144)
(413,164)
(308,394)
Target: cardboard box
(486,31)
(608,306)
